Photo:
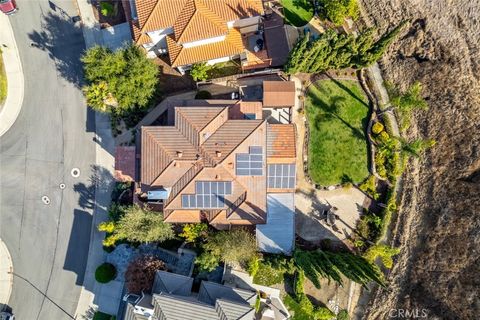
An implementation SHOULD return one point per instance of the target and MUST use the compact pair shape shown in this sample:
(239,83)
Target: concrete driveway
(53,134)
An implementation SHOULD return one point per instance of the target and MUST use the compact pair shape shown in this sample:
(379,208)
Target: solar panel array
(281,176)
(208,194)
(250,164)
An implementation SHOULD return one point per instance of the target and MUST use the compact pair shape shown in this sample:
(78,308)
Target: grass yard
(3,81)
(337,114)
(298,12)
(224,69)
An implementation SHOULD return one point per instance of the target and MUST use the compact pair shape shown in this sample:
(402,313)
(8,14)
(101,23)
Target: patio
(313,225)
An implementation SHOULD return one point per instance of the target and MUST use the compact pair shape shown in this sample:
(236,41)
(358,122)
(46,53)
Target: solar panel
(251,163)
(281,176)
(208,194)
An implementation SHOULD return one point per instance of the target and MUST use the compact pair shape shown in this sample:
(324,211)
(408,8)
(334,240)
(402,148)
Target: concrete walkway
(13,69)
(95,296)
(6,275)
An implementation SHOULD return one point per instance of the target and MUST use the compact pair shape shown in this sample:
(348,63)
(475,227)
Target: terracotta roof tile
(161,14)
(278,93)
(281,141)
(180,55)
(228,137)
(159,148)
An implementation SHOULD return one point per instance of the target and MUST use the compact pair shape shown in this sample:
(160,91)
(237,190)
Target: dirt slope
(439,222)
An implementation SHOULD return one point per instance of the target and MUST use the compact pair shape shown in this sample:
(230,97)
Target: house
(279,99)
(222,164)
(193,31)
(172,299)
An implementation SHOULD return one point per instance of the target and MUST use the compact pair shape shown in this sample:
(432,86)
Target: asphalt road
(52,135)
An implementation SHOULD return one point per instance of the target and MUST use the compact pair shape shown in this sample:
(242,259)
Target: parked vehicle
(6,316)
(8,6)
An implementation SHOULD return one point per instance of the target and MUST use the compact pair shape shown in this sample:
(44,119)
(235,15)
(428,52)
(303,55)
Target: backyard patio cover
(278,234)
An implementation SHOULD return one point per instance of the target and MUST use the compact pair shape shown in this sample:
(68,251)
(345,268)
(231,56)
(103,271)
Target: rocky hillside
(438,228)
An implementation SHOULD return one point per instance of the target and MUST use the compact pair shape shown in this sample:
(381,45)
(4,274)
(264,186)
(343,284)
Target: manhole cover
(62,186)
(46,200)
(75,172)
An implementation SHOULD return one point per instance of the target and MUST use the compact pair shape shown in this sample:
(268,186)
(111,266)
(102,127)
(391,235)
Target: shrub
(343,315)
(140,273)
(199,71)
(369,187)
(384,252)
(105,273)
(106,226)
(193,231)
(336,11)
(106,9)
(377,128)
(103,316)
(272,269)
(207,261)
(235,246)
(253,266)
(203,94)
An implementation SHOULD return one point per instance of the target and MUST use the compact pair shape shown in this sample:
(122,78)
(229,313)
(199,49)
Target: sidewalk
(93,294)
(6,275)
(13,68)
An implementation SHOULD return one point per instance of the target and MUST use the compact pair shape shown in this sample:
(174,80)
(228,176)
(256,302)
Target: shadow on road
(100,179)
(78,244)
(62,39)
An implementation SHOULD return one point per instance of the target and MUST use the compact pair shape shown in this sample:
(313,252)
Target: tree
(235,246)
(140,273)
(338,51)
(384,252)
(142,225)
(337,10)
(118,81)
(332,265)
(199,71)
(193,231)
(371,55)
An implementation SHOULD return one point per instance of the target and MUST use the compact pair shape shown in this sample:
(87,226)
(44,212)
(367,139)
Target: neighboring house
(222,164)
(279,99)
(193,31)
(172,299)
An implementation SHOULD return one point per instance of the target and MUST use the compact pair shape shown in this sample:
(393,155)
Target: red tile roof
(278,93)
(281,141)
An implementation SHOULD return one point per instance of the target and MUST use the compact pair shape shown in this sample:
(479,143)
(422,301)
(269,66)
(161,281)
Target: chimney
(219,153)
(179,154)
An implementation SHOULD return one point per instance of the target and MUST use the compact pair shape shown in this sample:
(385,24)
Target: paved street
(53,134)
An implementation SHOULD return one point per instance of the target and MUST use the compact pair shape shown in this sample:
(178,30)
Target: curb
(6,275)
(15,80)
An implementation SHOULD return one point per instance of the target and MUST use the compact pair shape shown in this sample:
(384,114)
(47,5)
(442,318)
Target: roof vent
(218,153)
(179,154)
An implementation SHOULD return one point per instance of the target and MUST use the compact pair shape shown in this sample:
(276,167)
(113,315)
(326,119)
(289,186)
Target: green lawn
(298,12)
(3,80)
(337,115)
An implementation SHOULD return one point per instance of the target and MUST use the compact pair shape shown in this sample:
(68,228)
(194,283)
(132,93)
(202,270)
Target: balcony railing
(232,207)
(183,181)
